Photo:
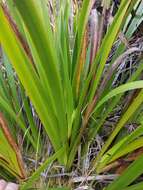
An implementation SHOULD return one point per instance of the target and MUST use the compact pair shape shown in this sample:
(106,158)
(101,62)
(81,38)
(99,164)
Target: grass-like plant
(64,76)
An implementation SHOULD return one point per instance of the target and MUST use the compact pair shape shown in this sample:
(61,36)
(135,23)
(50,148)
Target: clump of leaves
(64,68)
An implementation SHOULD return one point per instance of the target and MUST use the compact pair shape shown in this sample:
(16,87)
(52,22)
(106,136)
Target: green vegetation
(61,79)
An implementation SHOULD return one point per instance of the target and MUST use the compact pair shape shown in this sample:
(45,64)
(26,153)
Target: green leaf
(121,89)
(129,175)
(137,186)
(10,157)
(124,146)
